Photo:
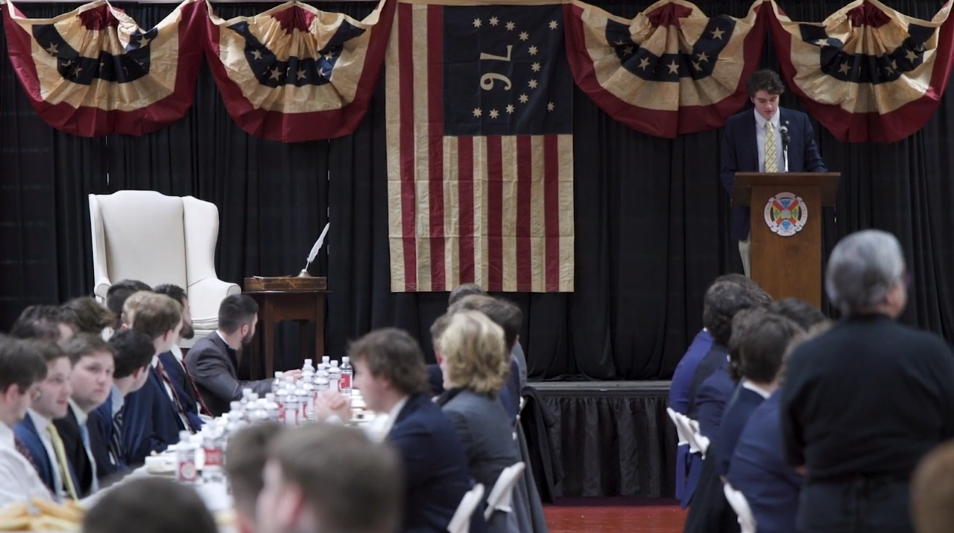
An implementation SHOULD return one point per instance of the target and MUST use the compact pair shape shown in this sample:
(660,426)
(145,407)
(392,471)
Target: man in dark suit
(767,139)
(213,360)
(389,372)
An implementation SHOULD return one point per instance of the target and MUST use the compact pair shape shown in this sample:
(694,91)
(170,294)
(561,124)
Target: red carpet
(615,515)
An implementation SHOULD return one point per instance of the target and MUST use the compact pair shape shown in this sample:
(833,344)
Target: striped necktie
(771,151)
(116,451)
(60,451)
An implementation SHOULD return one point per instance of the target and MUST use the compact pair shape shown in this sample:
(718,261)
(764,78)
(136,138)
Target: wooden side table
(287,298)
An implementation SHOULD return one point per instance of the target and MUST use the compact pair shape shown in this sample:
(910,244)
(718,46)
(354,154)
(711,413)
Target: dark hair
(48,350)
(760,340)
(20,364)
(506,314)
(118,292)
(236,310)
(157,314)
(801,312)
(132,350)
(395,355)
(764,80)
(86,315)
(83,344)
(723,300)
(342,476)
(145,502)
(438,327)
(245,458)
(38,322)
(175,292)
(461,291)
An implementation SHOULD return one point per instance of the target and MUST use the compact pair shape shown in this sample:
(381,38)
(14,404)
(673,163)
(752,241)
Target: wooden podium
(301,299)
(787,261)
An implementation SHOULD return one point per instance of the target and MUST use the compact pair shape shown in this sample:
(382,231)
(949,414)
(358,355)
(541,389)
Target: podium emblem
(786,214)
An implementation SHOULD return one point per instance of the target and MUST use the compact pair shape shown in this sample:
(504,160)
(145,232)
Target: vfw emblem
(786,214)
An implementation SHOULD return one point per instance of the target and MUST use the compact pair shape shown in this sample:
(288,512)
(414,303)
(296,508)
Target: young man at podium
(767,139)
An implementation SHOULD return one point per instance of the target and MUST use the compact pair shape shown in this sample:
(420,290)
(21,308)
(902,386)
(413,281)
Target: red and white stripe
(495,210)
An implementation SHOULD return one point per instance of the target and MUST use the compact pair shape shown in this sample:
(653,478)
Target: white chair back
(460,523)
(741,507)
(502,494)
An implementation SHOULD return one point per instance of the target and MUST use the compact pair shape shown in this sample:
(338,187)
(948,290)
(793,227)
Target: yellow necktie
(60,452)
(771,152)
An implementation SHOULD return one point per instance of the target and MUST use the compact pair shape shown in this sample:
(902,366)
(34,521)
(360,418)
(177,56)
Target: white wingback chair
(156,239)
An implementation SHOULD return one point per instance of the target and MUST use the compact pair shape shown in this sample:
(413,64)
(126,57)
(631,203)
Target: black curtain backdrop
(651,217)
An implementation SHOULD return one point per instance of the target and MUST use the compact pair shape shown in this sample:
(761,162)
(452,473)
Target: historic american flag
(480,152)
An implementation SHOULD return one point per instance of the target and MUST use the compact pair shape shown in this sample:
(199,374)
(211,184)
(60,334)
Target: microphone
(784,131)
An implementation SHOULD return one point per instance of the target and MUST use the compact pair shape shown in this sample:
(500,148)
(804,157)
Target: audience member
(117,294)
(475,365)
(91,381)
(41,440)
(866,400)
(155,414)
(801,312)
(42,322)
(462,291)
(213,360)
(86,315)
(22,368)
(389,372)
(133,353)
(150,505)
(245,458)
(932,491)
(326,477)
(130,304)
(172,361)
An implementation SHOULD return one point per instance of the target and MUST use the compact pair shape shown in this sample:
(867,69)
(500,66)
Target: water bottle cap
(334,364)
(346,359)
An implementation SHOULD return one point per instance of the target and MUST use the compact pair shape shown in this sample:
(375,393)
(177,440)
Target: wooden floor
(615,515)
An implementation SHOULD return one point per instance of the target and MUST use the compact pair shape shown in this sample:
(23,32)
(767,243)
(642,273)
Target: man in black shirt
(863,402)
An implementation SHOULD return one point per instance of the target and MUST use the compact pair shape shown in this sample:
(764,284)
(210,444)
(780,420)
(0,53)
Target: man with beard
(172,360)
(213,360)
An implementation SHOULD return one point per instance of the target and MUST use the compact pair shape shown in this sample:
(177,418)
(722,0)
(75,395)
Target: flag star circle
(275,73)
(511,26)
(703,57)
(673,67)
(550,106)
(477,112)
(553,24)
(329,56)
(911,55)
(524,36)
(302,74)
(533,50)
(494,113)
(477,23)
(494,21)
(535,67)
(822,42)
(524,98)
(844,68)
(628,50)
(532,84)
(143,41)
(257,54)
(643,63)
(717,33)
(510,108)
(52,49)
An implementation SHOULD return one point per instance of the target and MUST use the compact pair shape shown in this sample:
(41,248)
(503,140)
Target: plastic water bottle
(277,382)
(307,399)
(325,362)
(321,381)
(334,377)
(281,398)
(308,366)
(213,445)
(246,396)
(347,374)
(292,408)
(185,457)
(271,407)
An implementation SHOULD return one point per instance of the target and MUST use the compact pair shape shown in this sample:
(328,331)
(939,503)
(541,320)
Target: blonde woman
(475,362)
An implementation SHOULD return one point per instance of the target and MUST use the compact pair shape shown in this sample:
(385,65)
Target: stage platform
(611,438)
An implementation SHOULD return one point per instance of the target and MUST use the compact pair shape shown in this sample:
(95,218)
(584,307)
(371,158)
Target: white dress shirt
(41,423)
(81,418)
(380,427)
(760,123)
(18,479)
(746,384)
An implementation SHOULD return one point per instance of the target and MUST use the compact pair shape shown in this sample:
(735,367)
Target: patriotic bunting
(670,70)
(867,73)
(294,73)
(94,71)
(480,151)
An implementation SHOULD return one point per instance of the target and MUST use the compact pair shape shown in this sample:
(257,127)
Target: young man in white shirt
(21,370)
(39,436)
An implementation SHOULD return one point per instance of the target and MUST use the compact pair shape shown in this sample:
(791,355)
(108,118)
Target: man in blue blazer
(389,372)
(758,141)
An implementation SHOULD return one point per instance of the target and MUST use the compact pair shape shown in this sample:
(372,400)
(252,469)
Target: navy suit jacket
(760,472)
(100,425)
(681,384)
(712,397)
(717,357)
(69,430)
(740,153)
(150,420)
(27,433)
(435,467)
(183,386)
(734,418)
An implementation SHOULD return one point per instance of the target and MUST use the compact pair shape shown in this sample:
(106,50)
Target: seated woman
(475,362)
